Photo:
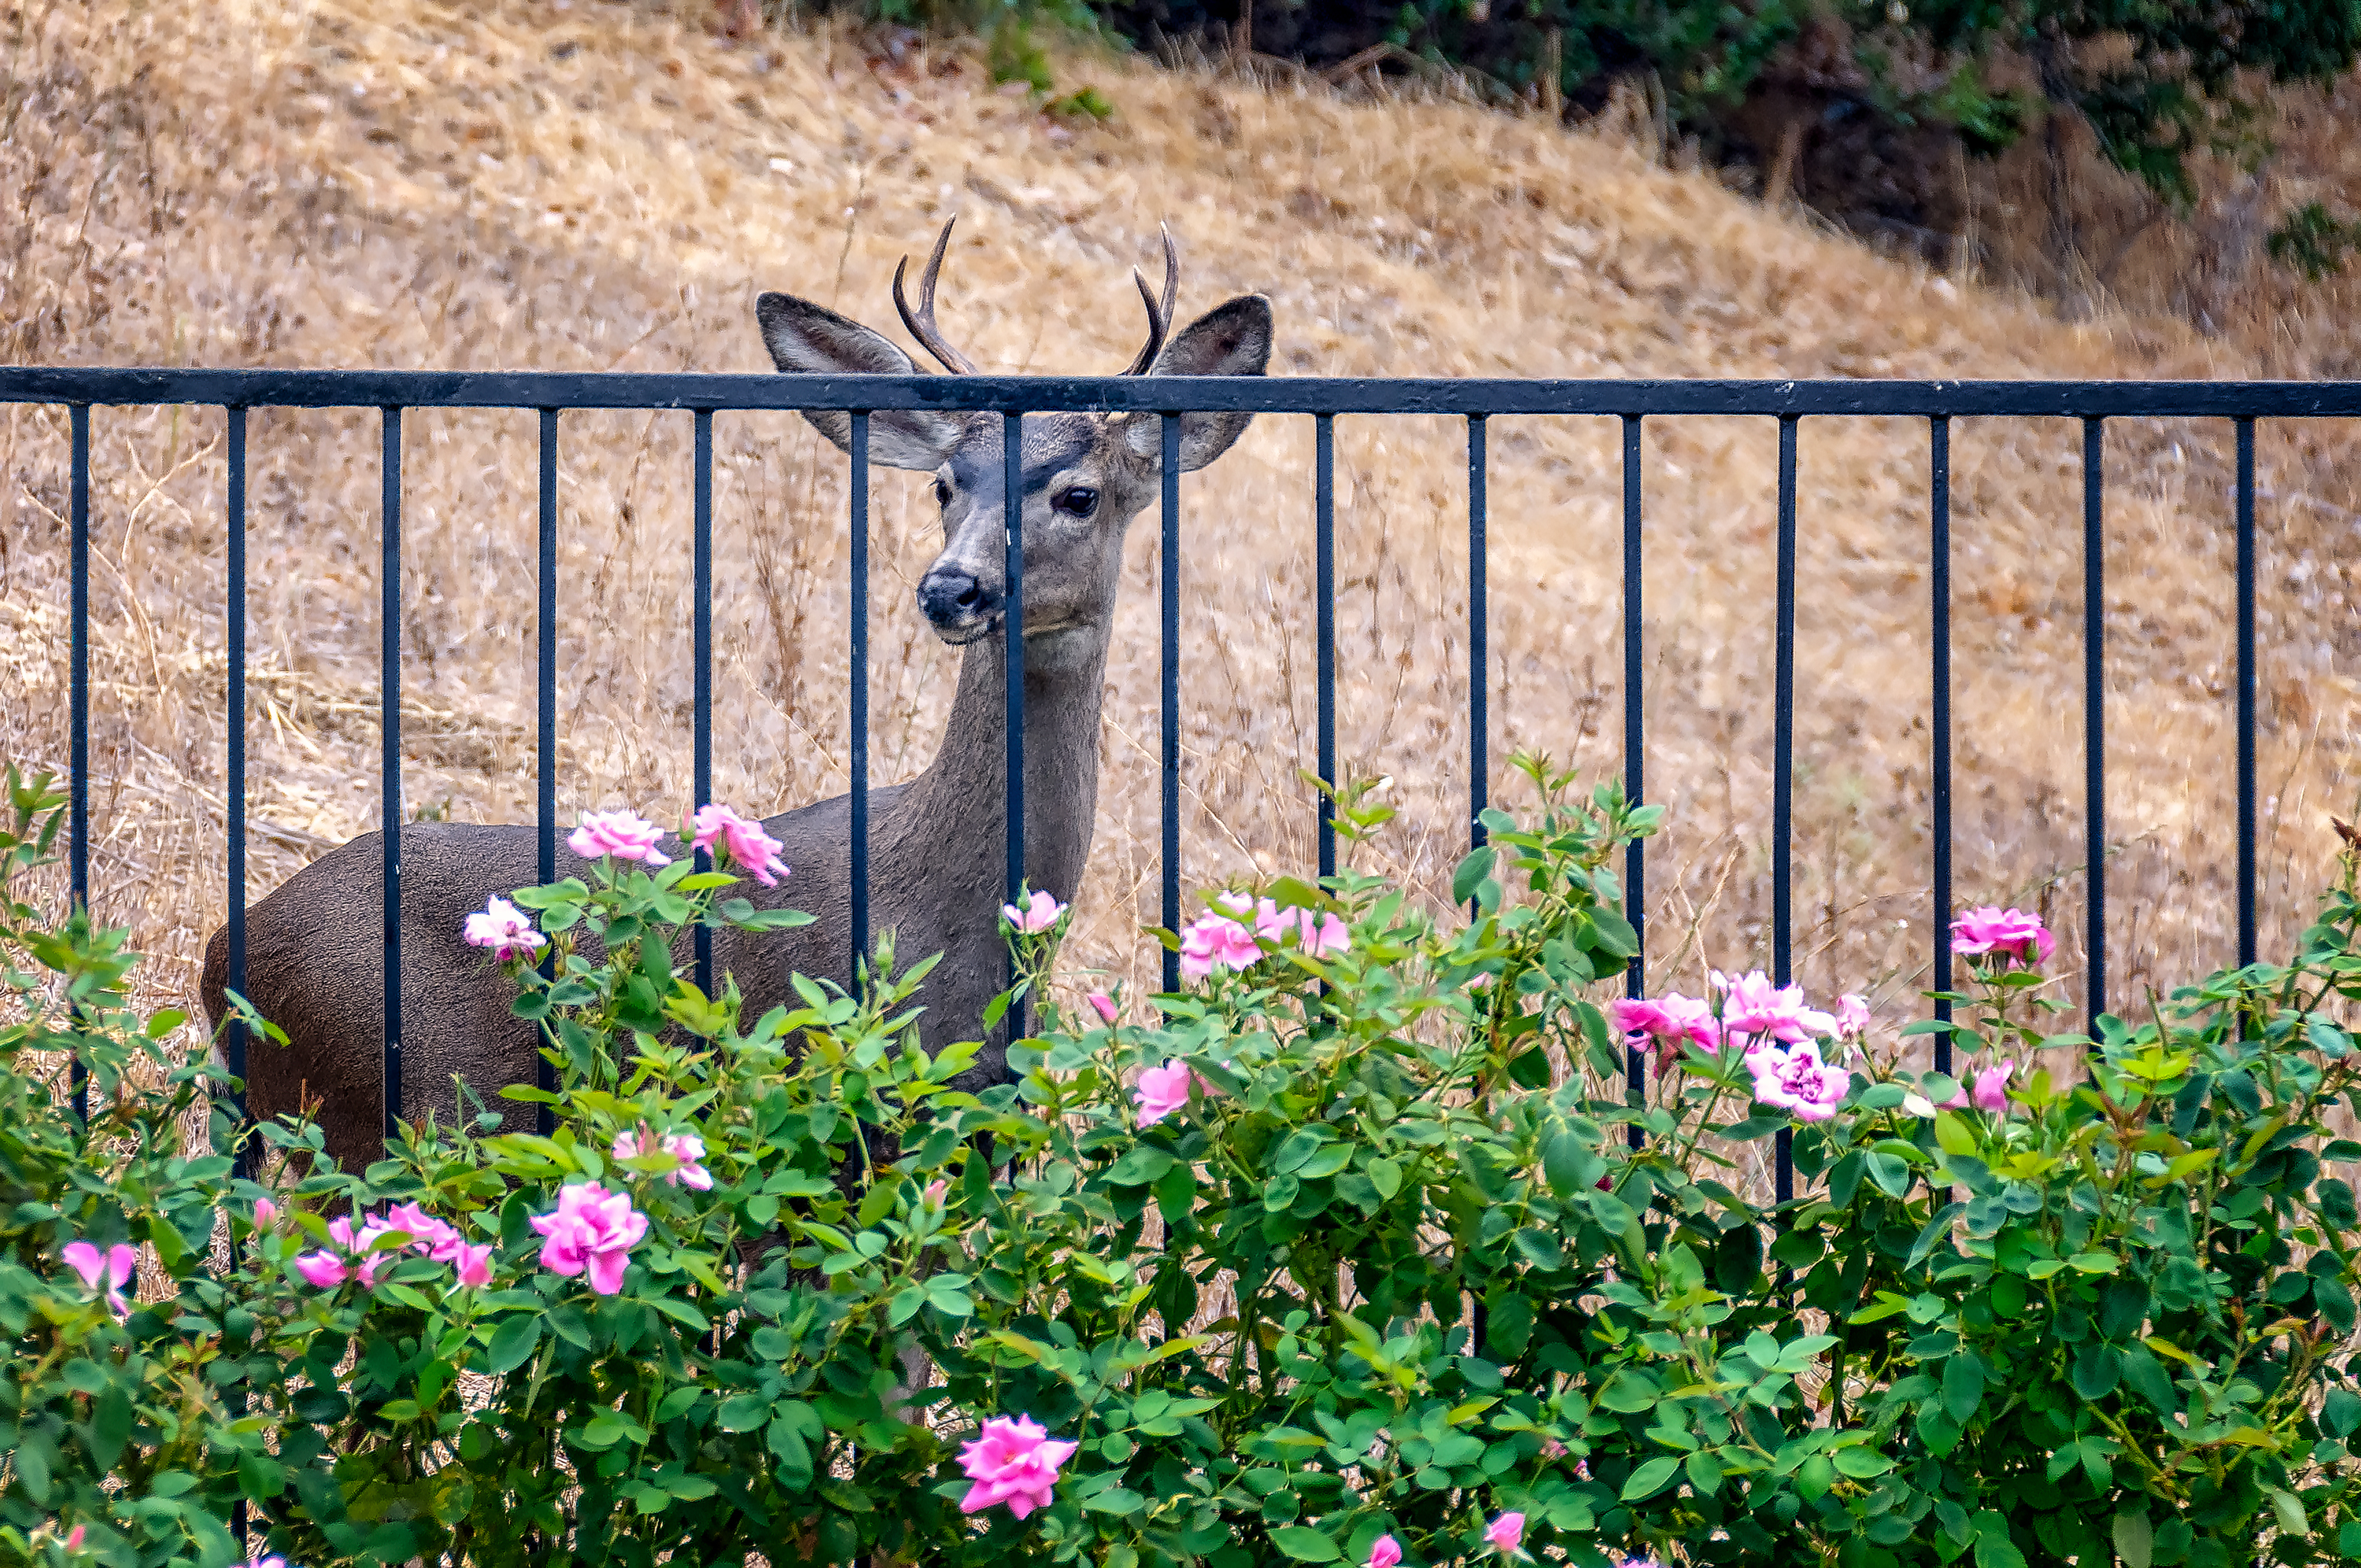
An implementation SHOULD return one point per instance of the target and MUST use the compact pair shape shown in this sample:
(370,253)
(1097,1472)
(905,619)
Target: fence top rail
(1274,395)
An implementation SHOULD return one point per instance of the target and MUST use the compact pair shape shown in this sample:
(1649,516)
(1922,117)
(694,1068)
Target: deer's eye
(942,493)
(1076,500)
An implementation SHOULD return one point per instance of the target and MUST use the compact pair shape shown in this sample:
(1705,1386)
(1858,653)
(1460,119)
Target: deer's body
(315,952)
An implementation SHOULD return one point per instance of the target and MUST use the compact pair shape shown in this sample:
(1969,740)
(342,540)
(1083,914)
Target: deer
(315,963)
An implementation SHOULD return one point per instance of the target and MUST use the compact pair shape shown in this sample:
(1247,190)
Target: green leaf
(2135,1540)
(1304,1544)
(2289,1510)
(512,1344)
(1386,1176)
(1651,1478)
(1993,1548)
(1142,1165)
(742,1412)
(1963,1387)
(1471,873)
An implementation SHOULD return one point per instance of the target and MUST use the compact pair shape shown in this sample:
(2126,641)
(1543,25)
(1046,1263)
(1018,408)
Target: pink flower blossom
(73,1537)
(266,1213)
(1013,1462)
(1384,1552)
(685,1147)
(1643,1561)
(1103,1006)
(1507,1534)
(322,1270)
(110,1270)
(1553,1449)
(1992,1088)
(1582,1469)
(1753,1007)
(505,929)
(1853,1016)
(474,1264)
(590,1230)
(1040,913)
(1795,1080)
(935,1191)
(2018,938)
(1672,1021)
(1235,903)
(1322,935)
(751,849)
(427,1234)
(260,1561)
(1162,1091)
(1216,941)
(623,835)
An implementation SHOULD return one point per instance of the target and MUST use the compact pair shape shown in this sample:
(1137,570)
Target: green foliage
(1412,1255)
(2314,242)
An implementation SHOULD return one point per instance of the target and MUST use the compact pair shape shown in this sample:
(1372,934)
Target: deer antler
(922,325)
(1160,319)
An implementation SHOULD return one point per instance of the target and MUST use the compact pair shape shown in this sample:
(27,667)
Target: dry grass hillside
(606,186)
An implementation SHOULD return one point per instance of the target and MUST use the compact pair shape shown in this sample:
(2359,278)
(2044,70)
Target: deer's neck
(955,813)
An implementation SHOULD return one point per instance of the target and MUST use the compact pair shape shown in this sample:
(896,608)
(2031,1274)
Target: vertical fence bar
(2247,825)
(1012,501)
(1635,865)
(389,763)
(1939,741)
(1479,715)
(233,780)
(1170,722)
(2094,714)
(545,700)
(78,742)
(701,611)
(234,812)
(860,694)
(1783,769)
(1323,445)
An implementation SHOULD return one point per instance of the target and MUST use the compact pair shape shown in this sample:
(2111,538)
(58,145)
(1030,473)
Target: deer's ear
(812,340)
(1228,340)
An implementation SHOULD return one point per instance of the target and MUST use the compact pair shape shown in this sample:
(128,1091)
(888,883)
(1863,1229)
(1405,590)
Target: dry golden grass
(606,187)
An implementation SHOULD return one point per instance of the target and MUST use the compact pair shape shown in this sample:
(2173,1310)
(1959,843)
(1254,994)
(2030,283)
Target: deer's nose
(952,598)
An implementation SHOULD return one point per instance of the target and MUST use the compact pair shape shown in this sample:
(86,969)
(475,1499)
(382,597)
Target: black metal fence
(1630,402)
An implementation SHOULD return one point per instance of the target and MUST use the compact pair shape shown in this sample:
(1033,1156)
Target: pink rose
(110,1270)
(1103,1006)
(1507,1534)
(1672,1021)
(622,835)
(322,1270)
(474,1264)
(1016,1463)
(935,1191)
(1320,936)
(260,1560)
(505,929)
(751,850)
(1162,1091)
(266,1213)
(1040,913)
(1853,1016)
(593,1231)
(1795,1080)
(1384,1552)
(685,1147)
(73,1537)
(1992,1088)
(1216,941)
(1553,1449)
(1753,1007)
(2018,938)
(426,1234)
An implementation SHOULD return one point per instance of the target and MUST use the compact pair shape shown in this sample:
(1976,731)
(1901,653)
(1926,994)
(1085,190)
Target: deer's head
(1085,475)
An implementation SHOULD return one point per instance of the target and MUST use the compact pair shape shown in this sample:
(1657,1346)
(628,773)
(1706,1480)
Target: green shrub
(1356,1246)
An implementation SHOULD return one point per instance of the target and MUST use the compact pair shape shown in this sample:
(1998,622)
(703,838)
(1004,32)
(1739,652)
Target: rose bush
(1362,1248)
